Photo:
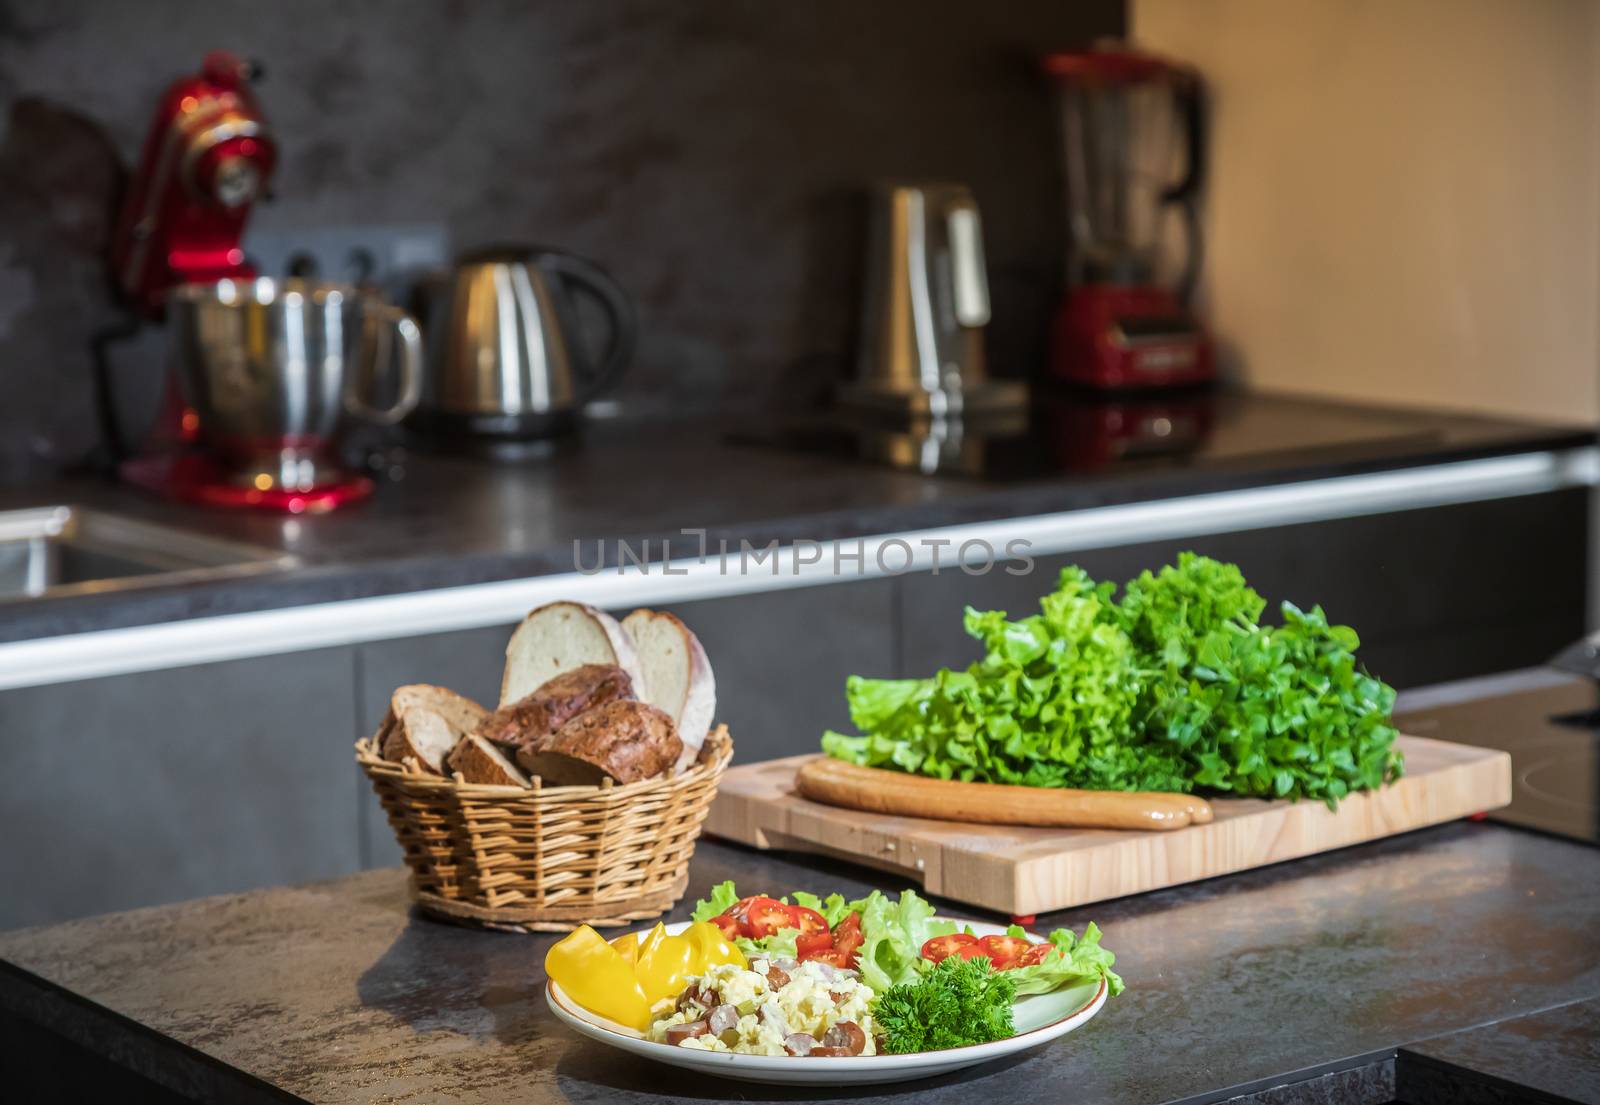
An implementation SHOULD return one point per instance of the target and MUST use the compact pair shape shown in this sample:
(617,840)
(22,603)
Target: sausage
(847,1035)
(704,997)
(681,1032)
(777,977)
(722,1018)
(800,1043)
(875,790)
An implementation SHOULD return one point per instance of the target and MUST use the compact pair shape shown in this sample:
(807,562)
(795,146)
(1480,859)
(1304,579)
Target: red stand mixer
(1133,149)
(207,158)
(261,369)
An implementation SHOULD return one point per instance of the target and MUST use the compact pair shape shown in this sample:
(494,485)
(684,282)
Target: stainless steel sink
(50,551)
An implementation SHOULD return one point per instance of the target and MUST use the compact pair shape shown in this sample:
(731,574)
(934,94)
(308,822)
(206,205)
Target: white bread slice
(559,637)
(478,761)
(427,723)
(459,712)
(420,735)
(677,677)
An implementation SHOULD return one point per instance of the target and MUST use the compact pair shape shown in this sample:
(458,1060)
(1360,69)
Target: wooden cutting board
(1022,871)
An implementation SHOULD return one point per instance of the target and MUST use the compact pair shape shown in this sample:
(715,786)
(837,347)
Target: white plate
(1039,1018)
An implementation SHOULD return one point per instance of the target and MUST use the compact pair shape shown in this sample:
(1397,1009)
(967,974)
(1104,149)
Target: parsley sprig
(959,1002)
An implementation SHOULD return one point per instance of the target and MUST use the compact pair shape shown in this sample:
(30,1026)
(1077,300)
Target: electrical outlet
(392,257)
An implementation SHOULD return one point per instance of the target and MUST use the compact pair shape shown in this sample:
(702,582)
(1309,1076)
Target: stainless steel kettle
(926,306)
(507,359)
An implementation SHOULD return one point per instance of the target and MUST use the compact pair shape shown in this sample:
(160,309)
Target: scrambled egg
(768,1016)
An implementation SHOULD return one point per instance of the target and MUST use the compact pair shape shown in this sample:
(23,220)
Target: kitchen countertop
(1293,983)
(451,522)
(1551,1056)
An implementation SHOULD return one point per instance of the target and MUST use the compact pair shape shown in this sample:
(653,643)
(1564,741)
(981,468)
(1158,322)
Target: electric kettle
(507,357)
(925,309)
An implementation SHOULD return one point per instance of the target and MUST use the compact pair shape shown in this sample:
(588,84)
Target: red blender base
(1117,337)
(196,478)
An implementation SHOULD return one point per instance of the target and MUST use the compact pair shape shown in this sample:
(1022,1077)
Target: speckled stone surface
(1372,1084)
(451,521)
(1549,1056)
(1256,984)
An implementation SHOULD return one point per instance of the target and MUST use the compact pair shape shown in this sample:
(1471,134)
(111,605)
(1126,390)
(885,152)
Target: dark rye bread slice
(531,720)
(623,740)
(478,761)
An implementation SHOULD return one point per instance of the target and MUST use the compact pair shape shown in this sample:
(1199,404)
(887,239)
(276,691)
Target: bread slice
(677,676)
(421,736)
(424,723)
(559,637)
(478,761)
(623,740)
(556,702)
(459,712)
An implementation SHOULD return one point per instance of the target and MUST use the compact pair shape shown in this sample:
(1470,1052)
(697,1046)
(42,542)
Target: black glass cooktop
(1553,735)
(1065,431)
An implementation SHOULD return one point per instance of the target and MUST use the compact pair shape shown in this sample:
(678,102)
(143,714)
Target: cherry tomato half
(765,916)
(941,947)
(807,945)
(1033,956)
(740,910)
(728,925)
(832,956)
(847,937)
(808,921)
(1002,950)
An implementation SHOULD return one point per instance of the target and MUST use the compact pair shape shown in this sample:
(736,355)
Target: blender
(1133,150)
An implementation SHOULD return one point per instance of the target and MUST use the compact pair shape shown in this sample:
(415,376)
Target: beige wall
(1404,201)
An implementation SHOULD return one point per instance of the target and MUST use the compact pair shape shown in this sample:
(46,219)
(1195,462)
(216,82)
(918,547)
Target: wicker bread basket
(548,858)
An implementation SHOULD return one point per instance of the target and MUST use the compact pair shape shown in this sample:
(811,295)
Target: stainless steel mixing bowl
(275,369)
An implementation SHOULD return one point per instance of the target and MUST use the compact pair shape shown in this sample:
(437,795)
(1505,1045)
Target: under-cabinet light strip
(323,625)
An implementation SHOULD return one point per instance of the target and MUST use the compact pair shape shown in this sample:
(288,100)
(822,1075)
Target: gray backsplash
(711,153)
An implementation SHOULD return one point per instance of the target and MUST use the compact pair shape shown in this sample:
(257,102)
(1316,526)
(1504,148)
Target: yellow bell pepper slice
(628,947)
(711,947)
(598,978)
(664,964)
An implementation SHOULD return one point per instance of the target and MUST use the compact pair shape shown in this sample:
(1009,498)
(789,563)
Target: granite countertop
(1293,983)
(452,521)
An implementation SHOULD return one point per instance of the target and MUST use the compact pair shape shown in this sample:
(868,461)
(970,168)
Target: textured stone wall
(711,153)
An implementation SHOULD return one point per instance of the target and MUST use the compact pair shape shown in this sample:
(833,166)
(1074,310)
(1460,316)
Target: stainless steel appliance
(507,356)
(926,306)
(273,371)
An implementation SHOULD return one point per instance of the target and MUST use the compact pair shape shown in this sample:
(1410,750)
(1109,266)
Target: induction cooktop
(1553,735)
(1064,431)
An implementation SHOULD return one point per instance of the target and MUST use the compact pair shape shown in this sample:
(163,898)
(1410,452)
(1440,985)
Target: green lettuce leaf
(1073,959)
(723,895)
(832,910)
(893,934)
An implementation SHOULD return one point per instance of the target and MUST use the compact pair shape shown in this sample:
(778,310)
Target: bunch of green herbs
(1178,686)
